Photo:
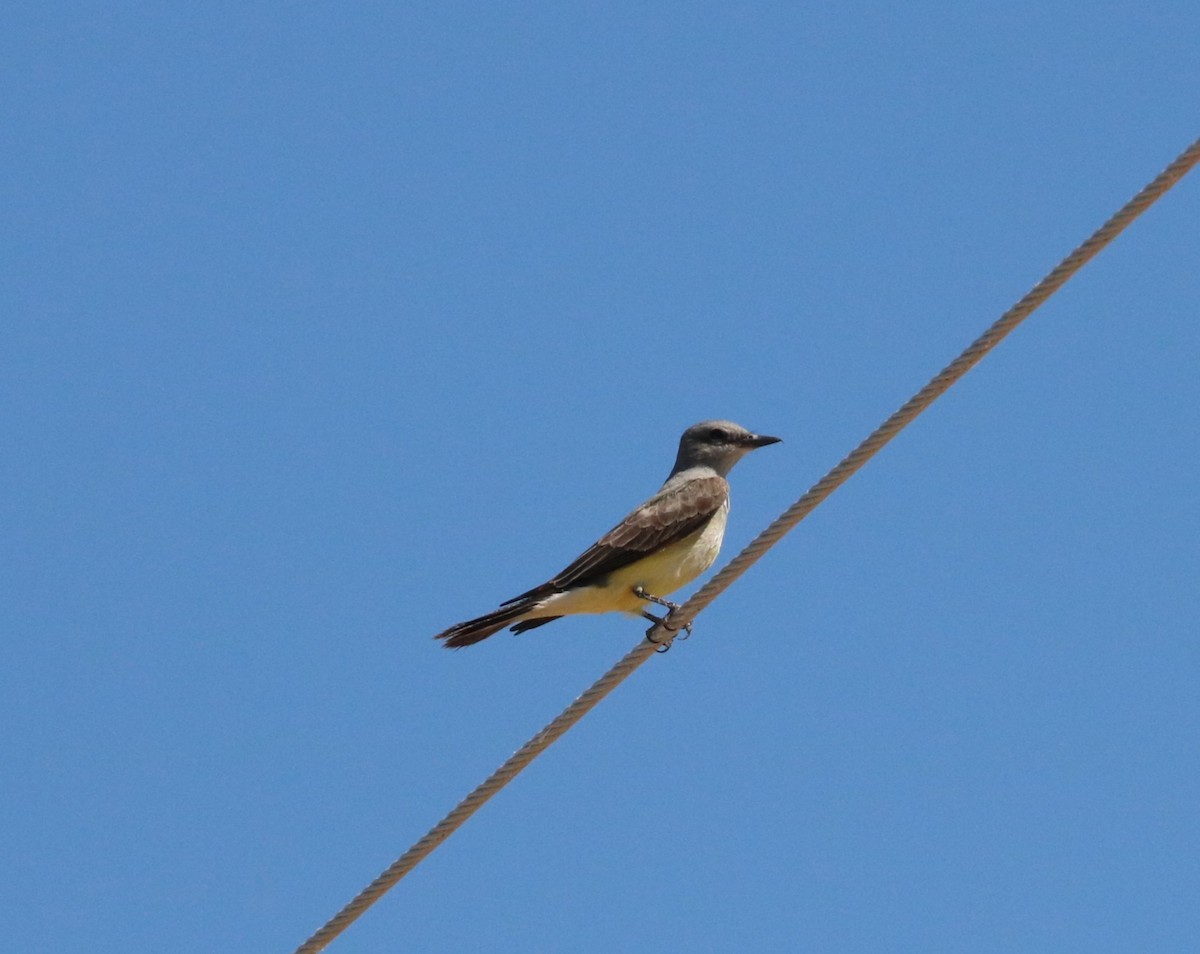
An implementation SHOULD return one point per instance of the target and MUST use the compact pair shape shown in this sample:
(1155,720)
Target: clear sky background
(328,325)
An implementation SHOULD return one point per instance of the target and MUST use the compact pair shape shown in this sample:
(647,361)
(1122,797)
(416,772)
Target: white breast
(703,552)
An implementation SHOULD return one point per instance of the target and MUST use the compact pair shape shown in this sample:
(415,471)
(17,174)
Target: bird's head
(717,444)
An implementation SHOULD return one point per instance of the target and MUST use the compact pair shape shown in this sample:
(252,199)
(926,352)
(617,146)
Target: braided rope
(663,634)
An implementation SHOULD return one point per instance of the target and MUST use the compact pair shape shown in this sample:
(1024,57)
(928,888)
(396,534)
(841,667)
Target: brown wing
(662,520)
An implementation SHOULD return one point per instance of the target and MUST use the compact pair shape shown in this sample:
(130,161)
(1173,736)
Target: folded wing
(668,517)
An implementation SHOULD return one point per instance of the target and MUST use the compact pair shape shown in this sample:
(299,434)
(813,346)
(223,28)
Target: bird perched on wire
(662,545)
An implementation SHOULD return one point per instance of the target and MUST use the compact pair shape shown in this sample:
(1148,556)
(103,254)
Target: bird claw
(664,621)
(676,634)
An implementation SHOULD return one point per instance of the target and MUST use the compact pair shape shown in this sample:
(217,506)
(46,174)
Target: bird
(659,547)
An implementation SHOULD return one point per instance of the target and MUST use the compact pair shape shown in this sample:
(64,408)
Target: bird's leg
(640,592)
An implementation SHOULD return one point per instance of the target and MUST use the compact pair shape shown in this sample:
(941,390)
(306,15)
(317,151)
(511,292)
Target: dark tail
(527,624)
(475,630)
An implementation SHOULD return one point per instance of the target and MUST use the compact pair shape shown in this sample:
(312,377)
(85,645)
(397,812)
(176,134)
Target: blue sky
(327,326)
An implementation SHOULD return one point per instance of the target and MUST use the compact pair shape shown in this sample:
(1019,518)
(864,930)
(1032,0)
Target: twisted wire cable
(661,634)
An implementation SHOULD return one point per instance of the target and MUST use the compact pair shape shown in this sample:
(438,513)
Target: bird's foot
(674,632)
(672,607)
(660,645)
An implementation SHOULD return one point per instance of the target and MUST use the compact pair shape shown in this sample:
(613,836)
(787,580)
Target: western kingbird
(664,544)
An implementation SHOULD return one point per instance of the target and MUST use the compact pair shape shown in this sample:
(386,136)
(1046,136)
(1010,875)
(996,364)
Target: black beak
(762,440)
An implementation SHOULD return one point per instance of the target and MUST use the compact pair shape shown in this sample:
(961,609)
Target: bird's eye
(718,434)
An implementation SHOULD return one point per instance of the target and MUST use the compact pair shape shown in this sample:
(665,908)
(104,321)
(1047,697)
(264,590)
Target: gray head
(717,444)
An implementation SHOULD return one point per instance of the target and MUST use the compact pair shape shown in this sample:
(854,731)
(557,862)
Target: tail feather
(474,630)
